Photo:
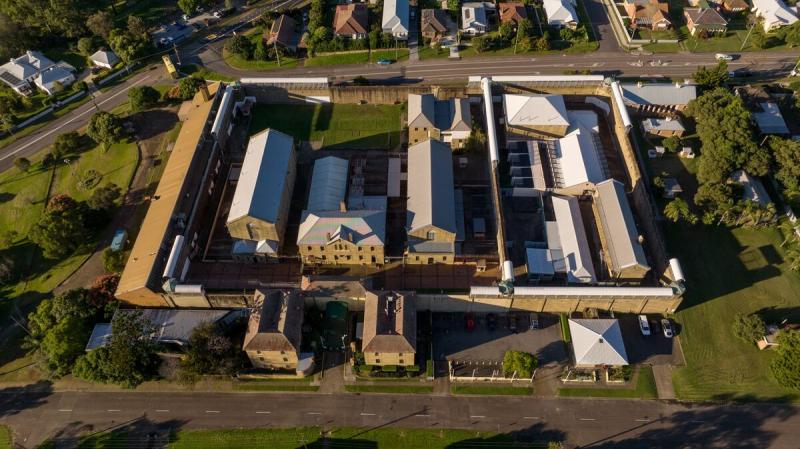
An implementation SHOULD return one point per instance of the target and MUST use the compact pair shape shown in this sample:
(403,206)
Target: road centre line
(65,410)
(113,410)
(367,414)
(212,411)
(161,411)
(587,419)
(422,416)
(314,413)
(477,416)
(262,413)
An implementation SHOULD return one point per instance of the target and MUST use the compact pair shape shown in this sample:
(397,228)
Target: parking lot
(655,349)
(453,341)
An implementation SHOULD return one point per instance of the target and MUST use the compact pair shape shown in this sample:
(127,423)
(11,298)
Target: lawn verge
(395,389)
(505,390)
(645,388)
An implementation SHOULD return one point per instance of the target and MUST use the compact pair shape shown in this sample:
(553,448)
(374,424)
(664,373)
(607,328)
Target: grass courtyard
(346,126)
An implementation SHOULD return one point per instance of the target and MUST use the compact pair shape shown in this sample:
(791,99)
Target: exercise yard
(344,126)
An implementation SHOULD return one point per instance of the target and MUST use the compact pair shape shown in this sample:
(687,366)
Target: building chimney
(328,236)
(342,206)
(204,92)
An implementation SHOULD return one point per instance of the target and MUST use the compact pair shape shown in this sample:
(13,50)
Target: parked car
(469,322)
(512,323)
(491,321)
(666,326)
(385,61)
(644,326)
(534,321)
(723,57)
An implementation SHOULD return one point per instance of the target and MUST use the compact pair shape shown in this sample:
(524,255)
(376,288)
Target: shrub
(786,366)
(672,143)
(412,369)
(748,327)
(389,368)
(114,261)
(520,362)
(23,164)
(364,370)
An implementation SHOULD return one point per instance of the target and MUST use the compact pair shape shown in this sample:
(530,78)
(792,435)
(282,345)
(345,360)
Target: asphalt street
(585,422)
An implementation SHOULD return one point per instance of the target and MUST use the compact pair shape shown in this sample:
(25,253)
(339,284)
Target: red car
(469,322)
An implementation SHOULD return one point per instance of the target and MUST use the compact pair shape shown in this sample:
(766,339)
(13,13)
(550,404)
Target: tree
(542,44)
(60,230)
(454,5)
(189,6)
(480,43)
(137,27)
(240,46)
(65,144)
(105,127)
(374,37)
(85,46)
(566,34)
(188,87)
(712,78)
(716,200)
(672,143)
(786,366)
(506,32)
(728,142)
(105,197)
(758,39)
(8,272)
(126,45)
(129,358)
(261,53)
(142,97)
(63,344)
(748,327)
(114,261)
(787,160)
(678,210)
(100,23)
(23,164)
(209,352)
(521,363)
(791,34)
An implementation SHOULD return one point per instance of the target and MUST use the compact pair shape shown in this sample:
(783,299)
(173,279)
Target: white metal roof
(619,226)
(560,11)
(223,110)
(597,342)
(539,261)
(572,236)
(774,12)
(431,197)
(769,119)
(659,94)
(578,159)
(261,182)
(574,291)
(533,110)
(104,57)
(662,124)
(752,188)
(328,183)
(395,16)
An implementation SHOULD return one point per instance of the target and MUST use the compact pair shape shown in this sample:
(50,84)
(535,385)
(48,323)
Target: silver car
(666,325)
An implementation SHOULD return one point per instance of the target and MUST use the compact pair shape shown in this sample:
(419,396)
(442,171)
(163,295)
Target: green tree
(480,43)
(454,5)
(23,164)
(716,200)
(85,46)
(542,44)
(189,6)
(65,144)
(712,78)
(678,210)
(142,97)
(787,160)
(137,27)
(791,34)
(188,87)
(63,344)
(105,127)
(240,46)
(566,34)
(522,363)
(261,53)
(758,39)
(105,197)
(100,23)
(506,32)
(126,45)
(375,37)
(114,261)
(672,143)
(209,352)
(786,366)
(748,327)
(60,230)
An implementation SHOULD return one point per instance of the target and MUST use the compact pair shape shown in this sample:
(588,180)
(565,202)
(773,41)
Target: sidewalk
(663,376)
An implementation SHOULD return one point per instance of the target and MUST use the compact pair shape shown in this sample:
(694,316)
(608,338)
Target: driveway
(654,349)
(601,26)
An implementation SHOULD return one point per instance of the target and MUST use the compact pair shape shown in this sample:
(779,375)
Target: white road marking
(263,413)
(212,411)
(162,411)
(367,414)
(477,416)
(587,419)
(113,410)
(422,416)
(314,413)
(65,410)
(530,417)
(641,420)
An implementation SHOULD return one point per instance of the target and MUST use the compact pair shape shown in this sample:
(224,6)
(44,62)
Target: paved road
(107,100)
(584,422)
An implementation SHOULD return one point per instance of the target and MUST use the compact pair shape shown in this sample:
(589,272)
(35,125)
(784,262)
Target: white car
(644,326)
(723,57)
(667,328)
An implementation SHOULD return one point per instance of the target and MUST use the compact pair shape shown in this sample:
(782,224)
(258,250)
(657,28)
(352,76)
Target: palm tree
(678,210)
(789,231)
(793,257)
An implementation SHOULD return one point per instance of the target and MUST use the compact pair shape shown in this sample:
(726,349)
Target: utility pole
(748,36)
(177,53)
(277,53)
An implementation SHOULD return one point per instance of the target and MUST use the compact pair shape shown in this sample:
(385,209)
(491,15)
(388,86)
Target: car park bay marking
(641,420)
(314,413)
(113,410)
(422,416)
(65,410)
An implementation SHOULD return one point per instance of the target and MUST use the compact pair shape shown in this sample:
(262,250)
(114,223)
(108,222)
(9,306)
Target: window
(283,352)
(401,362)
(377,361)
(285,359)
(377,354)
(261,358)
(431,235)
(258,352)
(310,248)
(322,248)
(400,355)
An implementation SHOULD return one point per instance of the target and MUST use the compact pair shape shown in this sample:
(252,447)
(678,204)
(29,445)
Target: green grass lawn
(363,57)
(398,389)
(505,390)
(5,437)
(202,72)
(115,165)
(336,125)
(730,271)
(645,388)
(273,387)
(309,437)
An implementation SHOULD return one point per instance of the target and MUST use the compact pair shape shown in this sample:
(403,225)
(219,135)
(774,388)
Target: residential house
(34,68)
(652,14)
(597,343)
(395,18)
(513,13)
(263,192)
(104,58)
(733,6)
(390,328)
(663,127)
(474,18)
(437,24)
(274,330)
(536,115)
(54,79)
(624,254)
(351,20)
(774,13)
(765,112)
(662,98)
(283,34)
(567,241)
(704,21)
(449,121)
(431,218)
(561,13)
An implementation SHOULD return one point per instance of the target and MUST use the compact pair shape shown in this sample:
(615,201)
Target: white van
(644,326)
(723,57)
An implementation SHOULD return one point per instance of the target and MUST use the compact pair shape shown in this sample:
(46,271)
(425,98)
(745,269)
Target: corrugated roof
(261,181)
(560,11)
(276,322)
(535,110)
(176,325)
(578,159)
(328,183)
(572,238)
(597,342)
(157,222)
(659,94)
(431,197)
(395,16)
(752,188)
(769,119)
(619,226)
(661,124)
(390,326)
(577,292)
(105,57)
(362,227)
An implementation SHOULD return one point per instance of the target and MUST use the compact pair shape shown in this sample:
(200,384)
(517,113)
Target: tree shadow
(154,122)
(140,432)
(7,196)
(14,400)
(728,426)
(536,436)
